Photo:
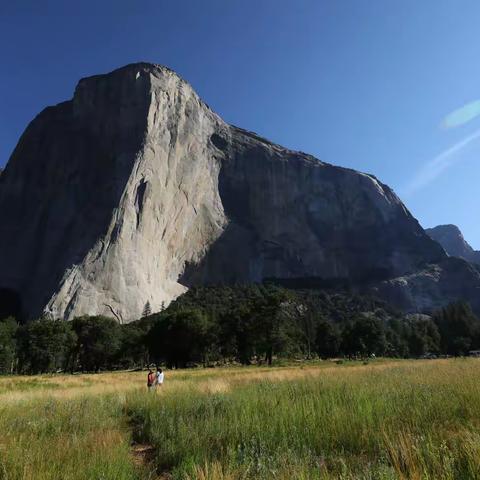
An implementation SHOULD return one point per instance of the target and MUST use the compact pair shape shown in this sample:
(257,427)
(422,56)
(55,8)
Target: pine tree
(147,310)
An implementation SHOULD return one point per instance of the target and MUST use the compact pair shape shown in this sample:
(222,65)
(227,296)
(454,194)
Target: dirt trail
(143,456)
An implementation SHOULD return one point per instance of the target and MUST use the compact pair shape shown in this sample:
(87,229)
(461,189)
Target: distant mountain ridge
(451,239)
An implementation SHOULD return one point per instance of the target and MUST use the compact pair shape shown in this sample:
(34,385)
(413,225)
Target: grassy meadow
(383,420)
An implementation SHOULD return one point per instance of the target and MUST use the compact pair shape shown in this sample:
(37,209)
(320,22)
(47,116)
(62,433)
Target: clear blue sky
(363,84)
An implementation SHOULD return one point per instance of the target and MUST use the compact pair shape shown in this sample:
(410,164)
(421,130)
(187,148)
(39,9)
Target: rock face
(451,239)
(433,286)
(292,216)
(108,195)
(135,190)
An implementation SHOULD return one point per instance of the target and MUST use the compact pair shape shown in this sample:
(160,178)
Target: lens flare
(462,115)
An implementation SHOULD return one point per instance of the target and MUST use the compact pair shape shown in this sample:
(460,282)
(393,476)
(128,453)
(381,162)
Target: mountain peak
(132,73)
(134,69)
(451,239)
(447,228)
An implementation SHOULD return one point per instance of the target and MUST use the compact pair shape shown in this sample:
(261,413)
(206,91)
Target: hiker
(159,377)
(151,380)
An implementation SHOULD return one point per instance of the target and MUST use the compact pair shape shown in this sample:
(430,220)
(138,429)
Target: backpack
(151,379)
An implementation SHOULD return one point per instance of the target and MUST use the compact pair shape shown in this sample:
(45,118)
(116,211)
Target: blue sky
(373,85)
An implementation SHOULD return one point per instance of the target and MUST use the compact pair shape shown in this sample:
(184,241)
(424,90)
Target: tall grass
(386,420)
(52,439)
(410,420)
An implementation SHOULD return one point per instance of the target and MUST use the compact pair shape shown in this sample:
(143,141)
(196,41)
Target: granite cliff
(451,239)
(135,190)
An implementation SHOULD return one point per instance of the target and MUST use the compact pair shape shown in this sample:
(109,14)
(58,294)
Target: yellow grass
(383,420)
(14,389)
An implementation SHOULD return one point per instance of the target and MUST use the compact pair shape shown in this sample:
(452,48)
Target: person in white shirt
(159,377)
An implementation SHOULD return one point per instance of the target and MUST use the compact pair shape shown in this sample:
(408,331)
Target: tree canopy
(245,324)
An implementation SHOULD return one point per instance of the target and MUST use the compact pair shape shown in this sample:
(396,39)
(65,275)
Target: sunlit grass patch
(319,420)
(56,439)
(403,420)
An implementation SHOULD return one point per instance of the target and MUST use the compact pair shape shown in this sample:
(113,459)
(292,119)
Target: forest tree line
(244,324)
